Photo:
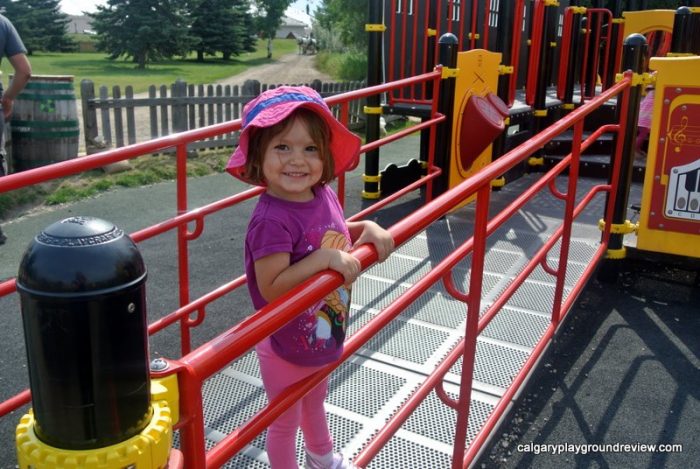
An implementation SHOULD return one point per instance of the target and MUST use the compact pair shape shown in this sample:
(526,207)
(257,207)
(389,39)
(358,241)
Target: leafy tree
(143,30)
(345,19)
(40,23)
(222,26)
(270,13)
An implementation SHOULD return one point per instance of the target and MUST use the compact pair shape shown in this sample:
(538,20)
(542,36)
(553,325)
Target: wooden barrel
(45,127)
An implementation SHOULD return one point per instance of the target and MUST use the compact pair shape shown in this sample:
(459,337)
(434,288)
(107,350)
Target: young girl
(293,146)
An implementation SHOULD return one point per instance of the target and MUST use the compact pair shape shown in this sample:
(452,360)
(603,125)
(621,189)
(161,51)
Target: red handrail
(196,366)
(236,342)
(185,216)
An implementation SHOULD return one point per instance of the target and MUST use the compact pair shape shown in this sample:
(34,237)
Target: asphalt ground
(622,370)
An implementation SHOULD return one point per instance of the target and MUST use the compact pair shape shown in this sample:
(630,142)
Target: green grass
(148,169)
(105,72)
(351,66)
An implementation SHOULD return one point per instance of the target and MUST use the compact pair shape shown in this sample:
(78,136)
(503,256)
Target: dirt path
(288,69)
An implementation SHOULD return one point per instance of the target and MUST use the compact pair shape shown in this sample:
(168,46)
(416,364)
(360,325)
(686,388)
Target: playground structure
(453,169)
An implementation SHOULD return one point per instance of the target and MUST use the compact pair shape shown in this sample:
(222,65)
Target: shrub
(353,66)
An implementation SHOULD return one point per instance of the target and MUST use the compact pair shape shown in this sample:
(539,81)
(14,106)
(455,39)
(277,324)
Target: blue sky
(76,7)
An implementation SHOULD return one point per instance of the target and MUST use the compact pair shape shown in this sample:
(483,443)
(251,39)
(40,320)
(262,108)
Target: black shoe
(2,237)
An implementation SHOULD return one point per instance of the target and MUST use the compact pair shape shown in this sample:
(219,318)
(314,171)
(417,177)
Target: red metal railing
(598,32)
(197,307)
(208,359)
(198,365)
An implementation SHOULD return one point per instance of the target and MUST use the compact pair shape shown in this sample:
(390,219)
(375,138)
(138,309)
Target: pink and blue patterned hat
(273,106)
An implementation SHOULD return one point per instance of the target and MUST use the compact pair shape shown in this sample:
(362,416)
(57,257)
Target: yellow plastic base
(148,450)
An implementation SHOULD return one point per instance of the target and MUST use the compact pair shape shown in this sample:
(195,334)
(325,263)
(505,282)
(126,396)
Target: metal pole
(682,31)
(694,33)
(447,51)
(573,59)
(504,45)
(616,9)
(544,72)
(634,56)
(373,109)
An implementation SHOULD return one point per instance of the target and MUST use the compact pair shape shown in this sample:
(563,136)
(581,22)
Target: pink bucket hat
(273,106)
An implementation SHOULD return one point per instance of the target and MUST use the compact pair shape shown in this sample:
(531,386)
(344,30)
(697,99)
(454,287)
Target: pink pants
(309,413)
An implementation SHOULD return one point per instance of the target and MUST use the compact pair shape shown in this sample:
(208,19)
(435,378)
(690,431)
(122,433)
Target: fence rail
(124,118)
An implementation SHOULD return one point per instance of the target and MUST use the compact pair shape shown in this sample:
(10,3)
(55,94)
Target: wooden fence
(120,120)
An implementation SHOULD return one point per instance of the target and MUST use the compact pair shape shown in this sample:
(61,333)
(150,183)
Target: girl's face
(292,163)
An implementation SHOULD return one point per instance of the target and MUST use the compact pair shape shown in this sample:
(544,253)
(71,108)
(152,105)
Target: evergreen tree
(41,24)
(144,30)
(220,26)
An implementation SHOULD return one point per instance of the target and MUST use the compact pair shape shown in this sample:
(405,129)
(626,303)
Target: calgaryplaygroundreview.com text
(598,448)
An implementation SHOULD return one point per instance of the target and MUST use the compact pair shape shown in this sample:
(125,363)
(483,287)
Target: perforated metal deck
(367,390)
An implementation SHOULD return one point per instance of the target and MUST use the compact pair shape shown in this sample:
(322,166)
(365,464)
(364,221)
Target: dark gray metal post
(374,77)
(447,50)
(634,55)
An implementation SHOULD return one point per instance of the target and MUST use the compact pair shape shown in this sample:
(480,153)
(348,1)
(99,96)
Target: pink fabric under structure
(645,110)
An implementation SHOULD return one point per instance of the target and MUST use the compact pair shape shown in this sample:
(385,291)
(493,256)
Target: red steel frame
(601,16)
(198,365)
(536,38)
(566,34)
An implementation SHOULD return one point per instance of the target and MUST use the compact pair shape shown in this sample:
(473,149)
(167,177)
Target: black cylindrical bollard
(82,291)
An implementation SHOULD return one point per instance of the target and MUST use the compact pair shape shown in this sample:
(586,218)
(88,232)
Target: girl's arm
(276,276)
(366,231)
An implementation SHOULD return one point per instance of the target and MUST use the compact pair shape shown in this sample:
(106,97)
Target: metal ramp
(366,390)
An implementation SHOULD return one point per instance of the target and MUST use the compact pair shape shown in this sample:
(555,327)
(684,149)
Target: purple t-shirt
(316,336)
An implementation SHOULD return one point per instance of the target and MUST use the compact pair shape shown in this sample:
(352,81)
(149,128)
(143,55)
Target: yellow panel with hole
(646,21)
(478,113)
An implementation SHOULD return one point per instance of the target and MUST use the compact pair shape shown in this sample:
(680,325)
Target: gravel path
(288,69)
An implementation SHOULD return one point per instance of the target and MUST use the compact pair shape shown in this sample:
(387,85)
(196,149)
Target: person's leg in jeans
(3,161)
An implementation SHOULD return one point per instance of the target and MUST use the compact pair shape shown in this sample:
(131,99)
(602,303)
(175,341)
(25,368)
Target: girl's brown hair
(261,137)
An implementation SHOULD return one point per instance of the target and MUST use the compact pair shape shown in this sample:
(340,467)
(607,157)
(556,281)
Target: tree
(221,26)
(40,24)
(270,14)
(144,30)
(347,19)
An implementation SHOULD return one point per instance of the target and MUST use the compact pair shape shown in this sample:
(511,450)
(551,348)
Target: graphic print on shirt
(331,318)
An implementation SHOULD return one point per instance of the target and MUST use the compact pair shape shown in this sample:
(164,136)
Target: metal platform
(366,390)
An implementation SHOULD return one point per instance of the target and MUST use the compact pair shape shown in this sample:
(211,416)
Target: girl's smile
(292,164)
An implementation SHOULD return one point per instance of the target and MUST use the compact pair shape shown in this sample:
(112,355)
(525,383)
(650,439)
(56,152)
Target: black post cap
(80,255)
